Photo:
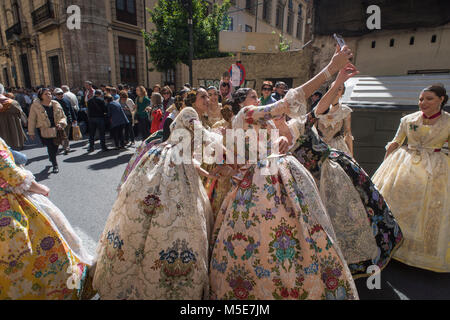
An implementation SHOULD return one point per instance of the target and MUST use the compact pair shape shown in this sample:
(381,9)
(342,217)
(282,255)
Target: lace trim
(337,116)
(26,184)
(297,103)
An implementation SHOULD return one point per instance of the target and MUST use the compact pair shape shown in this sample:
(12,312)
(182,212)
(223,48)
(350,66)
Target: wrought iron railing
(15,29)
(43,13)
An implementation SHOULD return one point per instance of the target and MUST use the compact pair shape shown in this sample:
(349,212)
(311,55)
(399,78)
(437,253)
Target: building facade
(291,18)
(38,48)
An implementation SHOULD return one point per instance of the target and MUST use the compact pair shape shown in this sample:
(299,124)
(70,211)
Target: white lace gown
(155,242)
(334,127)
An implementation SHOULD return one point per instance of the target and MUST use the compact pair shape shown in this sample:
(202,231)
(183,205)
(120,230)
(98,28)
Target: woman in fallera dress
(272,235)
(41,257)
(155,242)
(335,125)
(415,181)
(365,228)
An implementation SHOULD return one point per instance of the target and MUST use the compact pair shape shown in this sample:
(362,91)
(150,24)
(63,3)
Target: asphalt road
(85,191)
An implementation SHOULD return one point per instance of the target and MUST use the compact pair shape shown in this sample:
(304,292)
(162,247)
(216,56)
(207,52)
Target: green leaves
(168,42)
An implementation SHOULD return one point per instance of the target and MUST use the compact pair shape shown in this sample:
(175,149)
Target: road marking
(401,295)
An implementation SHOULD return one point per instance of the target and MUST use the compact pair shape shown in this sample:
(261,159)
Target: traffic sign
(237,74)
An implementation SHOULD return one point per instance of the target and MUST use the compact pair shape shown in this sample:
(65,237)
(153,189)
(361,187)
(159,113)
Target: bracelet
(327,74)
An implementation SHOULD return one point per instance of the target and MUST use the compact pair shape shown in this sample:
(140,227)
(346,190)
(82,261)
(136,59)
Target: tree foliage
(168,42)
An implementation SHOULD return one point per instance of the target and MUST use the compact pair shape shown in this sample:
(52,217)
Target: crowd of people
(301,223)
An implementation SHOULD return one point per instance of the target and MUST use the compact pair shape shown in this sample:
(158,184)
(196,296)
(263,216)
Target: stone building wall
(259,67)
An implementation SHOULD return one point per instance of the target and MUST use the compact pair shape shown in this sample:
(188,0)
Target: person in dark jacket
(118,120)
(280,88)
(70,115)
(96,113)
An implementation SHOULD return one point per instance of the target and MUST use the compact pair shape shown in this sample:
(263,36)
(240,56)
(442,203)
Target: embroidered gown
(334,127)
(155,242)
(365,228)
(41,257)
(414,179)
(272,236)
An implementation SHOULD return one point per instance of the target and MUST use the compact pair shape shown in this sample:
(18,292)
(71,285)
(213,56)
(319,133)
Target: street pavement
(85,191)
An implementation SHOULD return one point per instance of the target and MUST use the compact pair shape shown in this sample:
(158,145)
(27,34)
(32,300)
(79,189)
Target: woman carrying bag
(48,116)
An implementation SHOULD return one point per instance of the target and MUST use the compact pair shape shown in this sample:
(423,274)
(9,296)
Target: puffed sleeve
(293,105)
(400,136)
(13,177)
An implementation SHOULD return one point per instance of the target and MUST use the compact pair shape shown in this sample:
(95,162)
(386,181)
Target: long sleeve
(400,136)
(32,120)
(12,176)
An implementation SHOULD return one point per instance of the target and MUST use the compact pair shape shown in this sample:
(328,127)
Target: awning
(390,92)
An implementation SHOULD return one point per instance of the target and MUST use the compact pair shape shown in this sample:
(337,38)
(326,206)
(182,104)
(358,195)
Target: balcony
(14,30)
(44,16)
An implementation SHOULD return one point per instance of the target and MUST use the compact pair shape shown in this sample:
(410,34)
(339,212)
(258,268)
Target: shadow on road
(43,175)
(36,159)
(111,163)
(400,281)
(92,156)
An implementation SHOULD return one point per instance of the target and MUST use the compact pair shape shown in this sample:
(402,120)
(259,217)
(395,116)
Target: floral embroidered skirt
(270,242)
(36,261)
(155,242)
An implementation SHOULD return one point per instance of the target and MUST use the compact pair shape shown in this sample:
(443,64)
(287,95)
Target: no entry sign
(237,73)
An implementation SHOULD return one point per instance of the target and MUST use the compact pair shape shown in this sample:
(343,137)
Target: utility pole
(256,16)
(191,39)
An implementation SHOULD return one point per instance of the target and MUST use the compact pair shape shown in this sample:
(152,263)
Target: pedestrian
(157,113)
(415,180)
(168,101)
(89,92)
(71,97)
(11,129)
(156,88)
(280,92)
(129,107)
(113,92)
(48,117)
(214,107)
(118,120)
(143,108)
(97,113)
(70,116)
(40,251)
(316,99)
(266,93)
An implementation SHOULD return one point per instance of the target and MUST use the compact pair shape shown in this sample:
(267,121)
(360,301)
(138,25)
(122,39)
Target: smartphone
(339,40)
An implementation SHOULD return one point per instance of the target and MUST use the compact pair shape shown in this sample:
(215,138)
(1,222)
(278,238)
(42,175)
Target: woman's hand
(340,59)
(39,189)
(283,145)
(346,73)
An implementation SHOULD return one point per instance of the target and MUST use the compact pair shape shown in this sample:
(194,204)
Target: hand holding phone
(339,40)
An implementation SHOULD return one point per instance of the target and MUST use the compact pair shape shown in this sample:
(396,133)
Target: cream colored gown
(334,127)
(414,179)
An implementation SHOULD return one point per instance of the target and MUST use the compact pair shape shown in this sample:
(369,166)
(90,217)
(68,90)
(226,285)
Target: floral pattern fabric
(36,261)
(365,228)
(155,242)
(269,239)
(415,180)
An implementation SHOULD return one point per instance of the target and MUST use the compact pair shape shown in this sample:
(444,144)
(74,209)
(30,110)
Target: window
(126,11)
(433,38)
(391,43)
(279,15)
(290,5)
(374,43)
(250,6)
(230,27)
(411,41)
(299,23)
(248,28)
(290,18)
(128,61)
(267,10)
(169,76)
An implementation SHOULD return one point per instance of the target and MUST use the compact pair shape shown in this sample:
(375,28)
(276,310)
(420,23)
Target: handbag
(48,133)
(76,133)
(60,137)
